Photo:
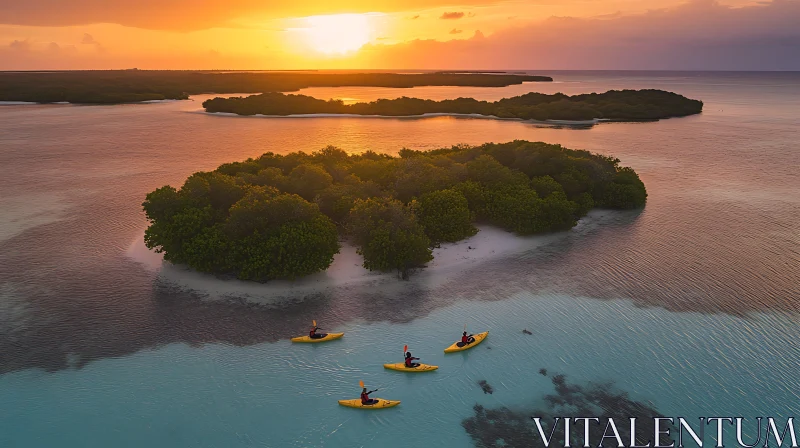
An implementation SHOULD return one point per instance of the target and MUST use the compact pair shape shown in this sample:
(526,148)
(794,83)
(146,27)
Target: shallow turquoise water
(282,395)
(690,303)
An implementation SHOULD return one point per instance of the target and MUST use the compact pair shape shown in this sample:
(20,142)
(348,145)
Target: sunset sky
(394,34)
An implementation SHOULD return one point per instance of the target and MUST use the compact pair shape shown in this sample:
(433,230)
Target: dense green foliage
(388,235)
(614,104)
(216,223)
(126,86)
(278,216)
(445,215)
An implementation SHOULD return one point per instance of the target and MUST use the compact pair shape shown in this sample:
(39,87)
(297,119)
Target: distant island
(282,216)
(130,86)
(613,105)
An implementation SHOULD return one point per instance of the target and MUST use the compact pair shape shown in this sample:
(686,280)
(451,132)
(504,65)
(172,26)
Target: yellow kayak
(328,337)
(457,346)
(381,404)
(401,367)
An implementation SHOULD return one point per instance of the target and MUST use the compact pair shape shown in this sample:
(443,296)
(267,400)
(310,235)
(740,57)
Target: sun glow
(339,33)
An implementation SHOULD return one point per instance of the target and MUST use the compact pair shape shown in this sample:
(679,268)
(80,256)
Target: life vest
(312,332)
(364,397)
(408,362)
(464,339)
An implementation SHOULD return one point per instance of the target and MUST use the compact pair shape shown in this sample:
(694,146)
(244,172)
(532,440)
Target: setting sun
(339,33)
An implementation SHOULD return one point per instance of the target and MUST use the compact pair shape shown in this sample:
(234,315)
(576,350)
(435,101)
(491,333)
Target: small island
(131,86)
(282,216)
(621,105)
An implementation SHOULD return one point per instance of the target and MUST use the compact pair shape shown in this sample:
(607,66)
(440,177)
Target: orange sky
(250,34)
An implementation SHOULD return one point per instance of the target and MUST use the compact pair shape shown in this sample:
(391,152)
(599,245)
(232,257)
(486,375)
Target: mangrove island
(130,86)
(627,105)
(282,216)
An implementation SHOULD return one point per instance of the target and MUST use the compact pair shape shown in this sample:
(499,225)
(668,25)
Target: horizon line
(462,71)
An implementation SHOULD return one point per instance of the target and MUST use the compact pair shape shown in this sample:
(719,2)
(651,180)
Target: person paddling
(313,333)
(365,400)
(410,360)
(466,340)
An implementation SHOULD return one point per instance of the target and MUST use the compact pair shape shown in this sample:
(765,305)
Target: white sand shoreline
(450,260)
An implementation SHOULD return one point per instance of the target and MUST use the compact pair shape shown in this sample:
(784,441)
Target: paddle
(361,383)
(405,349)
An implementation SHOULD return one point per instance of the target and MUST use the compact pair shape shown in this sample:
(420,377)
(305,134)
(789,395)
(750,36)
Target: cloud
(613,15)
(452,15)
(20,45)
(699,35)
(55,50)
(415,17)
(88,39)
(190,15)
(455,31)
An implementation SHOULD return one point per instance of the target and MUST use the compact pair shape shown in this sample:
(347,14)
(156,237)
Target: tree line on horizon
(615,105)
(282,216)
(130,86)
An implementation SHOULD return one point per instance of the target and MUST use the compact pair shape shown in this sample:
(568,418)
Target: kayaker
(365,400)
(314,335)
(466,340)
(410,359)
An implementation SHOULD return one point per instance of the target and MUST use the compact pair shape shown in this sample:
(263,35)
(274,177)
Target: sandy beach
(450,260)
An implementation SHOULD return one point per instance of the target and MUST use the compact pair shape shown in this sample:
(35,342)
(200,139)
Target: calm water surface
(690,304)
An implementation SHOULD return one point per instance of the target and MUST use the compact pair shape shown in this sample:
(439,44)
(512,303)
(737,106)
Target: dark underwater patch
(514,428)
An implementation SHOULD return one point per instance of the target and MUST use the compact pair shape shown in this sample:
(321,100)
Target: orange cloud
(20,45)
(452,15)
(187,15)
(700,35)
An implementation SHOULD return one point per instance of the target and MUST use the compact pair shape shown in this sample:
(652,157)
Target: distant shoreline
(67,103)
(426,115)
(137,86)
